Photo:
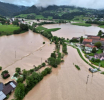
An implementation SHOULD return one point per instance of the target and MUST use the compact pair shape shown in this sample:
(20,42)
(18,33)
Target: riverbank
(81,24)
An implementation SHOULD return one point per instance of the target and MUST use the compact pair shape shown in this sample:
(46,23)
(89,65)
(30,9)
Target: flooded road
(69,31)
(65,82)
(24,51)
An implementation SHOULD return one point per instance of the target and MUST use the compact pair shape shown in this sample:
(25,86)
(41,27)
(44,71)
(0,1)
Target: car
(93,70)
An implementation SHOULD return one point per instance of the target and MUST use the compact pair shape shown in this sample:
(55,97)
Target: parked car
(93,70)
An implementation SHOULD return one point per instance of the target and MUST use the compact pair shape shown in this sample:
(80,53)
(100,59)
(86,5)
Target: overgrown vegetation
(81,24)
(77,67)
(5,74)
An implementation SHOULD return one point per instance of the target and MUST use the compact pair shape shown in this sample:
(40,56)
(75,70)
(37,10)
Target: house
(88,48)
(99,56)
(102,39)
(95,41)
(77,38)
(93,37)
(7,89)
(87,41)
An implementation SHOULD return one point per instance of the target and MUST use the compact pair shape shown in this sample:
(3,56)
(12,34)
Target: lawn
(39,17)
(7,29)
(40,28)
(99,51)
(102,26)
(81,24)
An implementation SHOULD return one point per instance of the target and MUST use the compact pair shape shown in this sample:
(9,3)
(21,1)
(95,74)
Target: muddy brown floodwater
(65,82)
(69,31)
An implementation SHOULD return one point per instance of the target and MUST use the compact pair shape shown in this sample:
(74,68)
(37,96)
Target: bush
(31,71)
(18,70)
(43,42)
(0,68)
(16,75)
(43,64)
(5,74)
(17,31)
(20,80)
(77,67)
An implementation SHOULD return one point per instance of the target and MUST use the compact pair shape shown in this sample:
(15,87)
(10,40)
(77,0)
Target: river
(65,82)
(69,31)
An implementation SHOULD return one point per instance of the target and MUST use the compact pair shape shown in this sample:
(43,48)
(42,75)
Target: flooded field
(24,51)
(65,82)
(69,31)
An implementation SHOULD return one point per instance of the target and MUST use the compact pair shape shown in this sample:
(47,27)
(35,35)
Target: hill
(58,12)
(7,9)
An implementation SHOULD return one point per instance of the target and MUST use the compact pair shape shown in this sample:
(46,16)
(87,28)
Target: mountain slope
(7,9)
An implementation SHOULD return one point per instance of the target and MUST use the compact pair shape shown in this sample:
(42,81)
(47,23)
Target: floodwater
(65,82)
(24,51)
(69,31)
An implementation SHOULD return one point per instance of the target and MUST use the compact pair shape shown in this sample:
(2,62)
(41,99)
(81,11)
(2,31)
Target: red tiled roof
(102,39)
(94,37)
(87,40)
(88,45)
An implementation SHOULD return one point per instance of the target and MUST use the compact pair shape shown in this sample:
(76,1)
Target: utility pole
(87,79)
(15,54)
(41,60)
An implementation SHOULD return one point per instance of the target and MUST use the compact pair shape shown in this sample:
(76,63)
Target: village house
(93,37)
(95,41)
(99,56)
(77,38)
(88,48)
(87,41)
(6,89)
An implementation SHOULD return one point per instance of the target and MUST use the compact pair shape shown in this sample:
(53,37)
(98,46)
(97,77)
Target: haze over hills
(53,11)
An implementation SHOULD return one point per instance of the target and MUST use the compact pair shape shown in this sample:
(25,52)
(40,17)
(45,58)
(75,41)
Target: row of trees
(23,28)
(22,89)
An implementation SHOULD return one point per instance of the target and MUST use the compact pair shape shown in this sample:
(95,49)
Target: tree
(18,70)
(53,55)
(98,44)
(94,50)
(19,91)
(24,27)
(100,33)
(81,39)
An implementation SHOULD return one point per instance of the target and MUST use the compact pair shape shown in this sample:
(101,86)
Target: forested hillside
(7,9)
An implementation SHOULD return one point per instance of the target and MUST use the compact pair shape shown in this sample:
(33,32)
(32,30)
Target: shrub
(102,72)
(77,67)
(43,64)
(18,70)
(16,75)
(20,80)
(5,74)
(31,71)
(43,42)
(0,68)
(17,31)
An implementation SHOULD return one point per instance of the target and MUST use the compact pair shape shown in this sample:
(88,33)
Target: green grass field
(82,24)
(102,26)
(40,28)
(7,29)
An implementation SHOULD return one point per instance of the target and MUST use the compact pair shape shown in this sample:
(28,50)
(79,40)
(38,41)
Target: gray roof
(100,55)
(2,95)
(1,86)
(95,41)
